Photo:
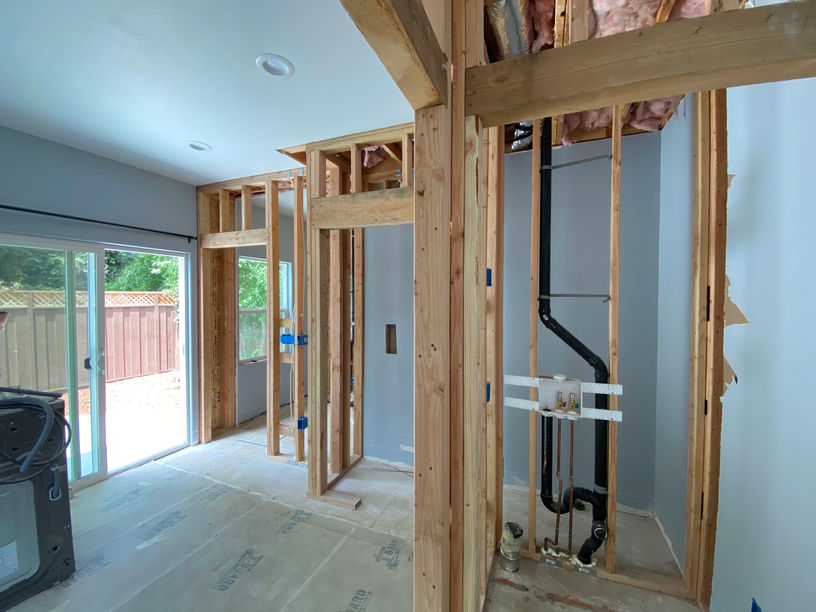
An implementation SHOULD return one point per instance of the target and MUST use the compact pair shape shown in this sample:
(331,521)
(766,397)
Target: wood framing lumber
(532,449)
(394,150)
(339,330)
(227,316)
(358,276)
(256,181)
(716,6)
(299,352)
(578,20)
(246,207)
(387,170)
(494,331)
(364,209)
(226,322)
(358,349)
(474,387)
(664,10)
(487,446)
(407,171)
(318,334)
(456,26)
(340,162)
(272,321)
(432,361)
(560,24)
(335,477)
(338,498)
(718,194)
(401,35)
(342,144)
(650,581)
(296,152)
(699,329)
(618,115)
(231,240)
(728,49)
(208,371)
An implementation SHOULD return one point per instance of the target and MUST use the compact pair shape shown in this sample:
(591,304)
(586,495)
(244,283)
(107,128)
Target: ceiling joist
(401,35)
(727,49)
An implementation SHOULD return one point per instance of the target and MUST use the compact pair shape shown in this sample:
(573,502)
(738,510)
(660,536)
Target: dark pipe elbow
(595,362)
(550,504)
(593,542)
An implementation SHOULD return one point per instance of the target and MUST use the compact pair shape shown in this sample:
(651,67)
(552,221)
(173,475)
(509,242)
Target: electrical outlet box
(560,395)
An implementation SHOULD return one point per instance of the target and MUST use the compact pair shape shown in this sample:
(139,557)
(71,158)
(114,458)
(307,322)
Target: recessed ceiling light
(197,145)
(275,65)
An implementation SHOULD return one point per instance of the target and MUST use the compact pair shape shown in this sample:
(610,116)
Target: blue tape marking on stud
(287,339)
(302,423)
(488,392)
(489,277)
(302,339)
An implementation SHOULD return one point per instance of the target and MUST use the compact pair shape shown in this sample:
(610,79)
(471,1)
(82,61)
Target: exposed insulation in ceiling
(372,156)
(519,23)
(610,17)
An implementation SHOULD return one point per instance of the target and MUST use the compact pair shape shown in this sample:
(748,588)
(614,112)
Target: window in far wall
(252,325)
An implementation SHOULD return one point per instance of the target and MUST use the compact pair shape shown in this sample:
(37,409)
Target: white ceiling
(135,80)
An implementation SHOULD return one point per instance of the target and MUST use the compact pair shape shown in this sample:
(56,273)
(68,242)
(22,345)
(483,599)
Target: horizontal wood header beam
(258,181)
(298,153)
(231,240)
(728,49)
(401,35)
(380,136)
(365,209)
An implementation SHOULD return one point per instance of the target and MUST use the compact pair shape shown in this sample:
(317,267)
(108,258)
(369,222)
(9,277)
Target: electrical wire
(29,459)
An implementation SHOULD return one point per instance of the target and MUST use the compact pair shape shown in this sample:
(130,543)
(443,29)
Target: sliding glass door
(52,338)
(107,329)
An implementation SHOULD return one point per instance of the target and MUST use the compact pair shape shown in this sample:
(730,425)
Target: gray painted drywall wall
(389,379)
(43,175)
(765,527)
(581,264)
(674,323)
(251,397)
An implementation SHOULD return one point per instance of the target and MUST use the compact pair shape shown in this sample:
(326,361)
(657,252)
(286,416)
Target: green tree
(31,269)
(128,271)
(251,283)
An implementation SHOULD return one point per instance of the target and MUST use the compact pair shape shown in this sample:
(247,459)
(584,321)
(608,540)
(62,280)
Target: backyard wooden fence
(141,337)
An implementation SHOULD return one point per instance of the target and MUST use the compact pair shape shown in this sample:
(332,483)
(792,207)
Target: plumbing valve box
(560,395)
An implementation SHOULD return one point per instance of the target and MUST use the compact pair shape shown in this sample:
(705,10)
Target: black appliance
(36,543)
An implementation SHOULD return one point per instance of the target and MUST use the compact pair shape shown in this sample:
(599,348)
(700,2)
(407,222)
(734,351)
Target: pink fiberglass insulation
(613,16)
(373,156)
(610,17)
(543,13)
(687,9)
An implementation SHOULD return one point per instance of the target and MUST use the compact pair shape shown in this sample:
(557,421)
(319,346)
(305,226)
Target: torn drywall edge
(732,315)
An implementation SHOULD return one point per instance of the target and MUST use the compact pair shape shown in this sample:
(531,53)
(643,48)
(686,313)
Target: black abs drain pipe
(597,497)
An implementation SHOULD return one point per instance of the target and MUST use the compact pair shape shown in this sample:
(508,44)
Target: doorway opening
(145,386)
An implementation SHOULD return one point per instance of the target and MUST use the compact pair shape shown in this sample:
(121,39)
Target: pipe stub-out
(510,547)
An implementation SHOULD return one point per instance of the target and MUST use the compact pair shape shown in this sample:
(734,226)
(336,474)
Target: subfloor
(639,542)
(133,407)
(537,586)
(221,526)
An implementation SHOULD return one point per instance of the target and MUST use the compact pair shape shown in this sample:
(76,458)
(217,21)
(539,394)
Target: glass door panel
(51,331)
